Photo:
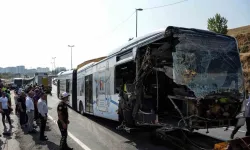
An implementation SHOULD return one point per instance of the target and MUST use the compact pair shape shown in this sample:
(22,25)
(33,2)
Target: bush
(244,49)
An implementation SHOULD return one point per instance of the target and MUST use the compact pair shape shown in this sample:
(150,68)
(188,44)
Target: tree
(217,24)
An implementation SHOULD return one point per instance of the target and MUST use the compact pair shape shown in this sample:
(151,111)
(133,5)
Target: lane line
(85,147)
(233,129)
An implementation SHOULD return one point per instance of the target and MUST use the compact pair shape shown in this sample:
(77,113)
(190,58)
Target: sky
(33,31)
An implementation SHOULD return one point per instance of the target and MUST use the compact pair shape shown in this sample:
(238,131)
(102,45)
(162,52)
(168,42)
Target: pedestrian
(16,102)
(30,112)
(42,110)
(247,114)
(22,109)
(5,108)
(63,120)
(8,95)
(36,97)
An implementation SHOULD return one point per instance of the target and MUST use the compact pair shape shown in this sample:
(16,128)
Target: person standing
(22,109)
(247,114)
(63,120)
(42,110)
(36,98)
(5,108)
(16,102)
(247,118)
(30,112)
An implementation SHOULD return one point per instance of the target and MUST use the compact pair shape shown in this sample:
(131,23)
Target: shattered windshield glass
(207,63)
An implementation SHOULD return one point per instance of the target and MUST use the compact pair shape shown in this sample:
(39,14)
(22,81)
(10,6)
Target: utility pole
(54,60)
(71,46)
(136,13)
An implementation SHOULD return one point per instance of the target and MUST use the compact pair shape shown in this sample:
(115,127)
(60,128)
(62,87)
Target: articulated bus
(172,76)
(65,84)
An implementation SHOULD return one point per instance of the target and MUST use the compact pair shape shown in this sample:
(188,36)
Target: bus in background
(64,84)
(41,78)
(18,82)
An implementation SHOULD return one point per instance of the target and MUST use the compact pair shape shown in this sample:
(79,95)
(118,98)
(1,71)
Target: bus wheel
(81,108)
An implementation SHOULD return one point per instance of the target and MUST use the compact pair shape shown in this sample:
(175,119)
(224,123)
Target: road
(93,130)
(93,133)
(100,134)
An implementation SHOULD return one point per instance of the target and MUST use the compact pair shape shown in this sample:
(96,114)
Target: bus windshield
(207,63)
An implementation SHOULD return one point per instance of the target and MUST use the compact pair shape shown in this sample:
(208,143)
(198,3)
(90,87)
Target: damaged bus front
(190,78)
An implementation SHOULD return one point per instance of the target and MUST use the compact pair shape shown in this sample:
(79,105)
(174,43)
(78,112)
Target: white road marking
(85,147)
(233,129)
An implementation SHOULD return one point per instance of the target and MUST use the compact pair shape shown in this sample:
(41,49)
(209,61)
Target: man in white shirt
(42,110)
(30,112)
(5,108)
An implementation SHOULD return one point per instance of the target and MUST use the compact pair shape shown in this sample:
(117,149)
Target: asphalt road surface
(94,133)
(100,134)
(97,133)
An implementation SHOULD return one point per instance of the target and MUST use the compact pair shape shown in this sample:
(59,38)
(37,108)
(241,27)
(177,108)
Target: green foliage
(217,24)
(5,75)
(244,49)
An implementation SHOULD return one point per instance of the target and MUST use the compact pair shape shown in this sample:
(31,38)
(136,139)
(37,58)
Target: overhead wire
(121,24)
(143,9)
(164,5)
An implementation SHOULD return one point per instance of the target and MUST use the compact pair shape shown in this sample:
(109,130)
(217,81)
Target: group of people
(30,106)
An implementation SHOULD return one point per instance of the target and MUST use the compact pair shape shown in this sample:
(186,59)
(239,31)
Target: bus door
(67,85)
(89,94)
(74,90)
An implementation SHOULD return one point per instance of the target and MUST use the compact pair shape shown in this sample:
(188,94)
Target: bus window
(67,85)
(124,73)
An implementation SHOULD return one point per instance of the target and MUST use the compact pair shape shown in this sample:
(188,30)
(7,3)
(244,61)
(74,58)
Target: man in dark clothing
(63,120)
(43,110)
(22,108)
(35,99)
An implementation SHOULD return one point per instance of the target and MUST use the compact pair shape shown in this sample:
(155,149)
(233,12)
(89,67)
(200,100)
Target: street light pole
(136,13)
(71,55)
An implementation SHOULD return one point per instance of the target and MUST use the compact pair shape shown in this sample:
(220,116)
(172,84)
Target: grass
(240,30)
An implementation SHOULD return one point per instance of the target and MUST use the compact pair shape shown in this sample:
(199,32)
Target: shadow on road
(139,139)
(36,138)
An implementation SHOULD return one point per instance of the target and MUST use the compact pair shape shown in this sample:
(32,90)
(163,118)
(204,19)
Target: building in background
(40,69)
(20,69)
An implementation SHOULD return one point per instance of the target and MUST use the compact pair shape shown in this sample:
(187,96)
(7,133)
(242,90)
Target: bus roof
(17,78)
(148,37)
(86,66)
(138,39)
(89,61)
(66,72)
(135,41)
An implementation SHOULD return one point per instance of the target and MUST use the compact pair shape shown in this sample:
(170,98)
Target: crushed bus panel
(190,78)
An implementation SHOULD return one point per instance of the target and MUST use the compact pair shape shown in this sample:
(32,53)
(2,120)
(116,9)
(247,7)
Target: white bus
(64,84)
(176,75)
